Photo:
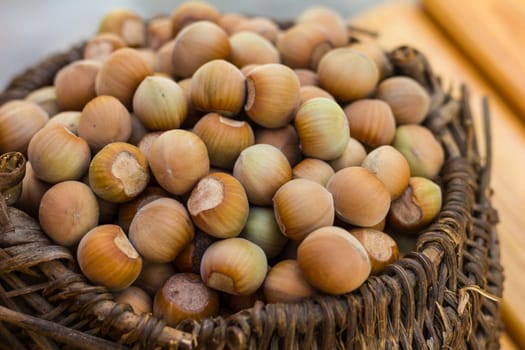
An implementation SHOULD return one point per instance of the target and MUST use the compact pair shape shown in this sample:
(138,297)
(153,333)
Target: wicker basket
(443,295)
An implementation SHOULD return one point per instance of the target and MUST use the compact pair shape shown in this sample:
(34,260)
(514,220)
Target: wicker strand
(394,315)
(55,331)
(10,341)
(43,342)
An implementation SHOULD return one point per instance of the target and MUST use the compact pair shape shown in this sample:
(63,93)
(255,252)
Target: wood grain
(491,33)
(404,22)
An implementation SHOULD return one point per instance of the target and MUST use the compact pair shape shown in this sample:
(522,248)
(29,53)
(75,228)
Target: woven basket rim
(438,270)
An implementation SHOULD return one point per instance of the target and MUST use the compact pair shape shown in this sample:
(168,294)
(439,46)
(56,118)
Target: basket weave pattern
(441,296)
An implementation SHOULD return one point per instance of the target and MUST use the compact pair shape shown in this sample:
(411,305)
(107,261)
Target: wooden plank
(404,22)
(507,343)
(492,35)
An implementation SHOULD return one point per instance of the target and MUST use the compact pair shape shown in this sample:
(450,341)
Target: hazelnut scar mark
(208,194)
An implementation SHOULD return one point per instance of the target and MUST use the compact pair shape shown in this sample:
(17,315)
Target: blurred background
(30,30)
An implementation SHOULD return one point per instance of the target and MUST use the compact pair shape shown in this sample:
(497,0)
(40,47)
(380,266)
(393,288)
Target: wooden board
(404,22)
(491,33)
(507,343)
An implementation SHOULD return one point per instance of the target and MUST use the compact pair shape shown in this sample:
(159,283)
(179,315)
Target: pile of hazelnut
(200,161)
